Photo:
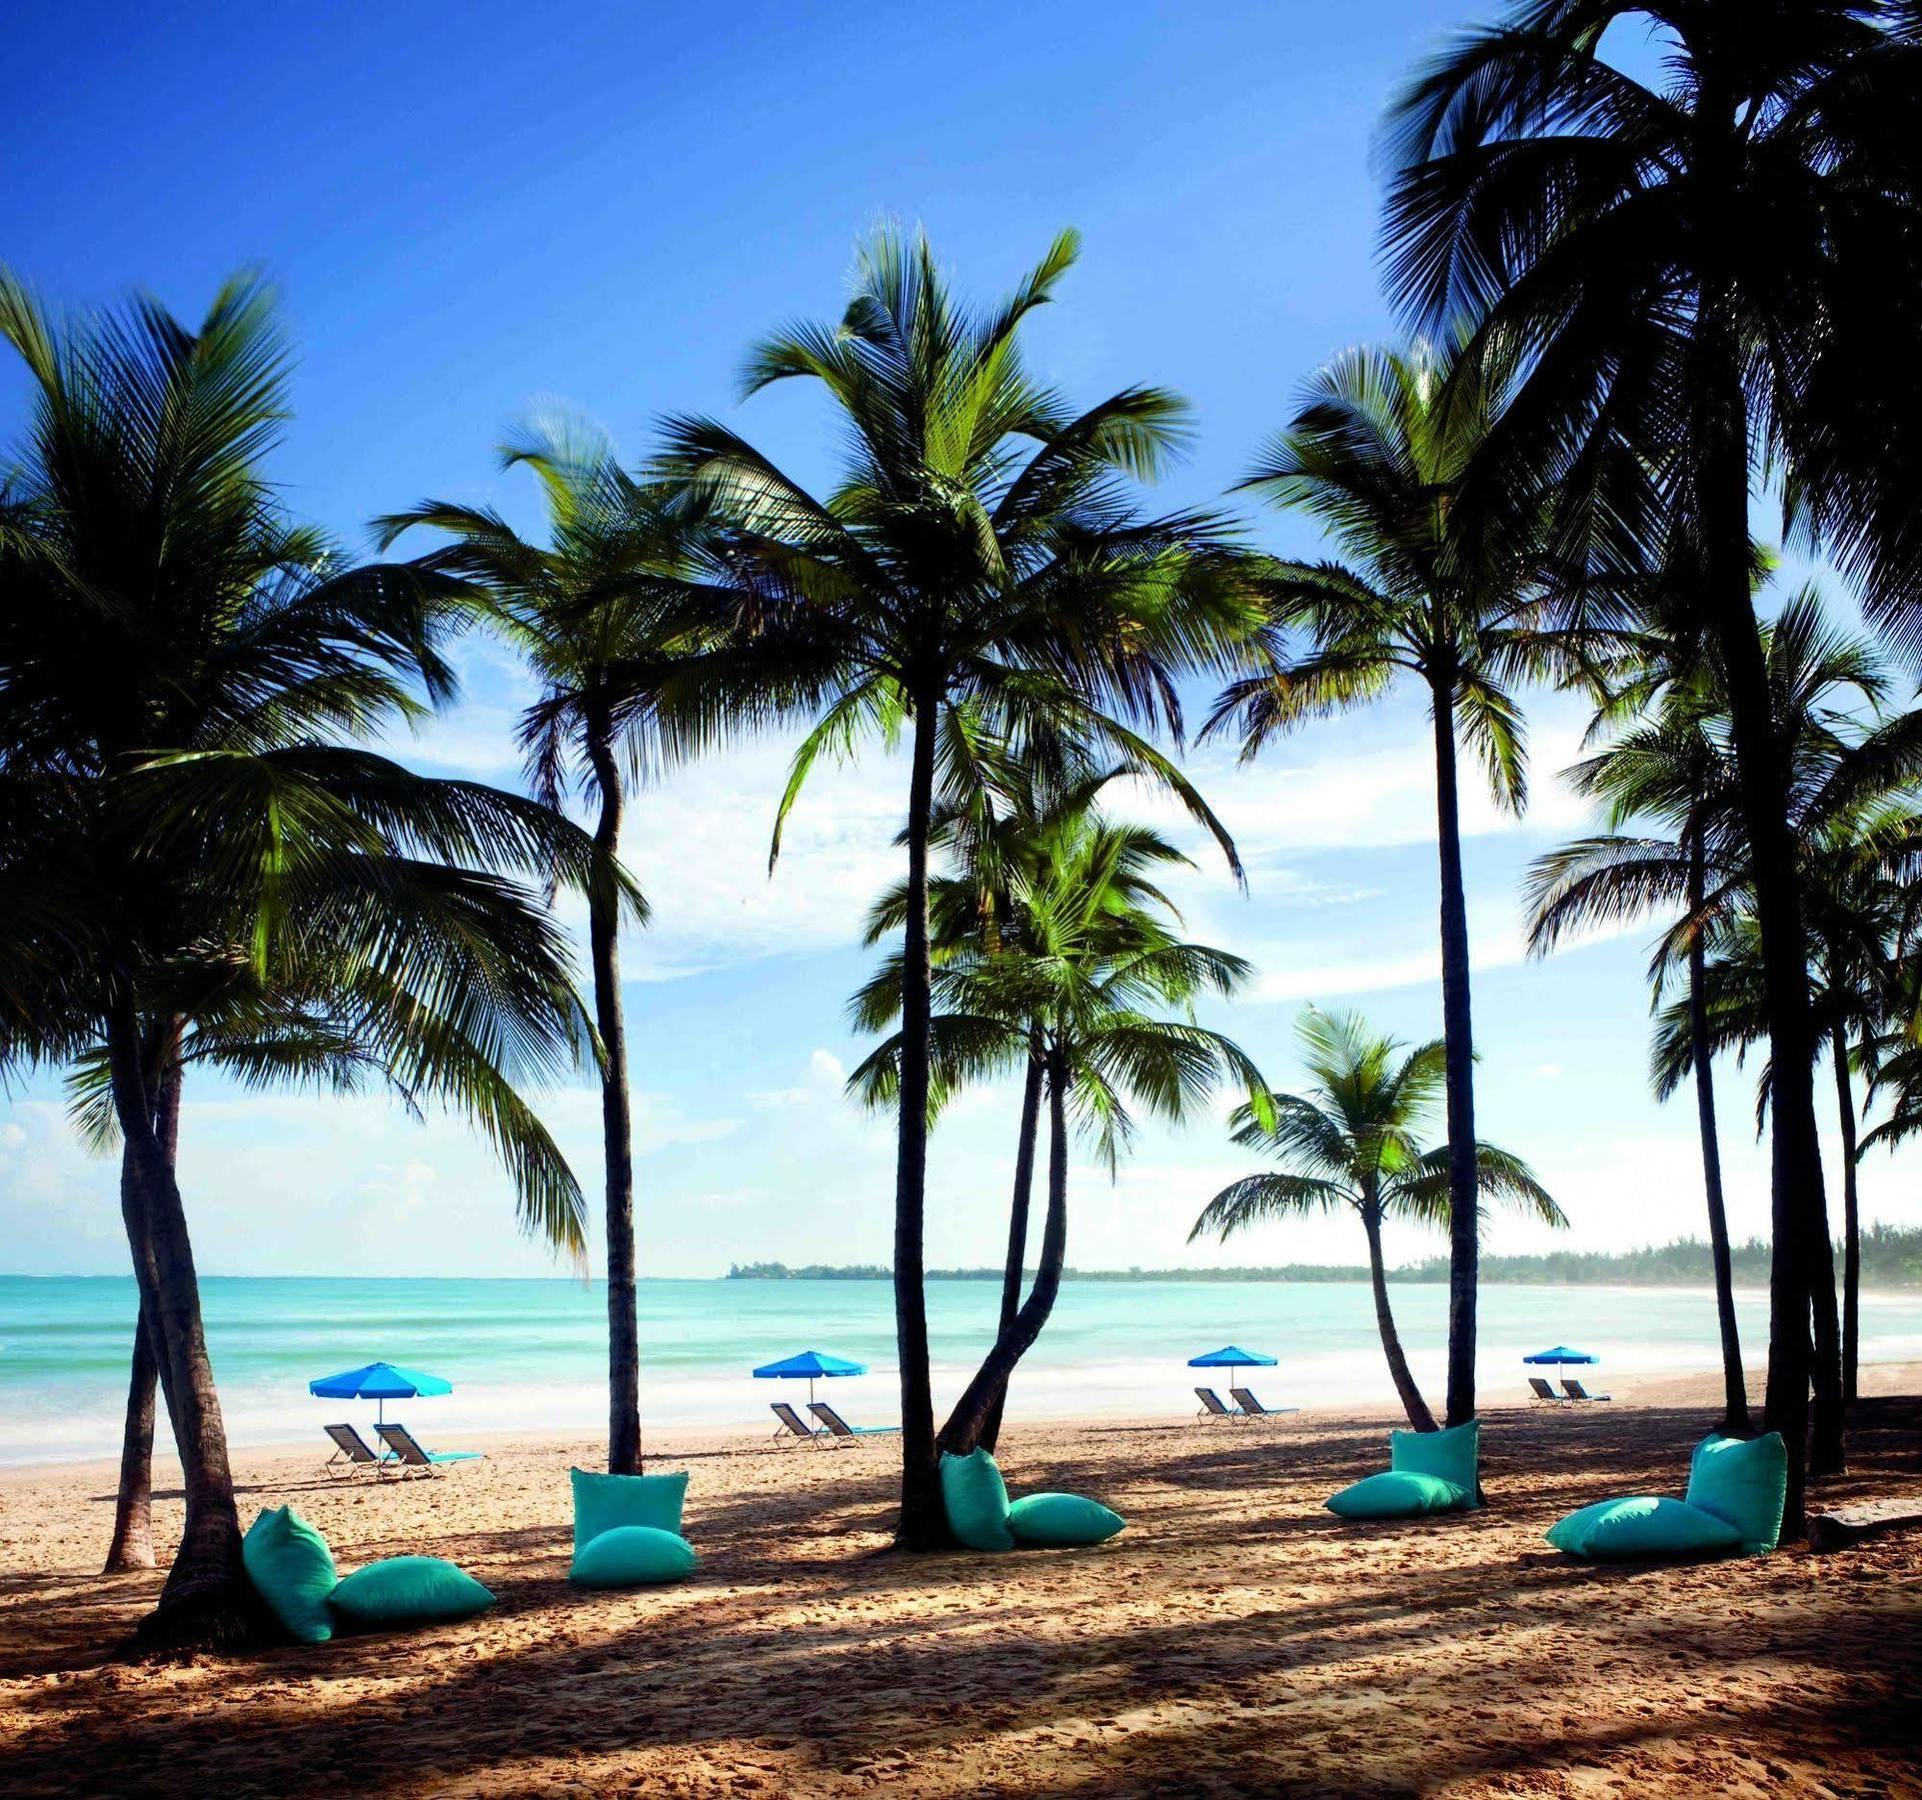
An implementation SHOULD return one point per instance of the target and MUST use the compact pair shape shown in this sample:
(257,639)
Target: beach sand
(1237,1639)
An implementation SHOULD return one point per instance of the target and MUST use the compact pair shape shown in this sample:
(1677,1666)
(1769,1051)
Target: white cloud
(1342,785)
(11,1137)
(824,1065)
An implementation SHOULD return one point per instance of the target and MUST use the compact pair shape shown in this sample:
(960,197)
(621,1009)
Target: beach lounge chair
(839,1427)
(1211,1406)
(350,1452)
(792,1425)
(1576,1391)
(408,1454)
(1544,1392)
(1253,1408)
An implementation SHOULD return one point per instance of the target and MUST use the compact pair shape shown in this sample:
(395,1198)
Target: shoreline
(1886,1376)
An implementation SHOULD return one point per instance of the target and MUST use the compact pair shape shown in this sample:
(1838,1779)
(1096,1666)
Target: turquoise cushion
(1452,1455)
(410,1590)
(631,1555)
(289,1562)
(1397,1494)
(1645,1526)
(1062,1519)
(977,1501)
(1744,1481)
(603,1502)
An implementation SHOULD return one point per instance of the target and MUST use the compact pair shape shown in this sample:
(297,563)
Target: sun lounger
(840,1428)
(792,1425)
(1544,1392)
(1211,1406)
(350,1452)
(1576,1391)
(408,1454)
(1253,1408)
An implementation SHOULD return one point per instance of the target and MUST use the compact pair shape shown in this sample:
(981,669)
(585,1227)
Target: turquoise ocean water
(527,1356)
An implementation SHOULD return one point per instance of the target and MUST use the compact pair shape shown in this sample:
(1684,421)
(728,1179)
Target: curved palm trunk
(132,1544)
(207,1600)
(1464,1197)
(1851,1214)
(1411,1397)
(1800,1265)
(963,1429)
(923,1524)
(1735,1417)
(990,1433)
(617,1142)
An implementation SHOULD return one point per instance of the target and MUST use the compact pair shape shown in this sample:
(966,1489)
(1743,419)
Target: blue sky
(477,214)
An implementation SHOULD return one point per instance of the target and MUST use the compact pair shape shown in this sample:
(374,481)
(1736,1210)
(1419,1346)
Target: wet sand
(1237,1639)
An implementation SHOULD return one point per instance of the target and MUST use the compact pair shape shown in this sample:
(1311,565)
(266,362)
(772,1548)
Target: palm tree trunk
(923,1524)
(1797,1210)
(1411,1397)
(1464,1198)
(1735,1417)
(1851,1215)
(617,1142)
(207,1601)
(132,1544)
(963,1429)
(990,1433)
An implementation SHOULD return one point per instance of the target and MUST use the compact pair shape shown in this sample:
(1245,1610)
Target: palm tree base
(223,1615)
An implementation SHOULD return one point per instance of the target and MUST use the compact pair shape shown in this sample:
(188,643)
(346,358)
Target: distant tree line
(1891,1257)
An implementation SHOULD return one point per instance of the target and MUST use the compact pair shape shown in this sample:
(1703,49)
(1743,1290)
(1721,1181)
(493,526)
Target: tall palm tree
(1705,270)
(612,598)
(191,839)
(984,546)
(1668,773)
(1354,1140)
(1843,773)
(1001,821)
(1081,982)
(1432,589)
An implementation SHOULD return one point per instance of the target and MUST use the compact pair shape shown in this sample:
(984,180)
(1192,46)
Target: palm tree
(613,597)
(1089,960)
(1841,778)
(1002,819)
(983,547)
(1668,773)
(191,845)
(1705,271)
(1434,589)
(1355,1140)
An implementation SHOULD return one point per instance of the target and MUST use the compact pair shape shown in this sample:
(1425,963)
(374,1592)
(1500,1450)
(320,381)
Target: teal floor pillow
(1397,1494)
(603,1502)
(977,1501)
(1062,1520)
(288,1561)
(1453,1455)
(1642,1527)
(1745,1482)
(633,1556)
(410,1590)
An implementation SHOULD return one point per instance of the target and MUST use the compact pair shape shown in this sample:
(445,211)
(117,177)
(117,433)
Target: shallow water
(529,1355)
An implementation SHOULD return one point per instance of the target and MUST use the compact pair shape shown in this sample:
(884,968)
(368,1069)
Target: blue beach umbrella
(381,1382)
(1228,1357)
(809,1366)
(1561,1354)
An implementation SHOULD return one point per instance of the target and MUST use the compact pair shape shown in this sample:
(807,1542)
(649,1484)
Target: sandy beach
(1237,1639)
